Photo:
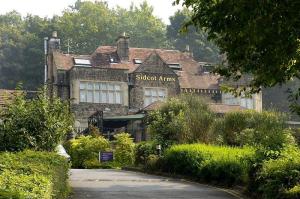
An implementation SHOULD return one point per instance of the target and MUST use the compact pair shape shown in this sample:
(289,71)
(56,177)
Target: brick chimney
(54,42)
(187,51)
(123,47)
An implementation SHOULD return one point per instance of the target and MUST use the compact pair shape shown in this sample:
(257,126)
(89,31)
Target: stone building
(114,84)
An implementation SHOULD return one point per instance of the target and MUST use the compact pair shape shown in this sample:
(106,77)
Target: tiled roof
(63,61)
(153,106)
(224,108)
(6,96)
(216,108)
(190,76)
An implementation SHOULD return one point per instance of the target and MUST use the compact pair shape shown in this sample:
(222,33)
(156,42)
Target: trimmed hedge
(223,165)
(5,194)
(33,175)
(275,177)
(280,178)
(292,193)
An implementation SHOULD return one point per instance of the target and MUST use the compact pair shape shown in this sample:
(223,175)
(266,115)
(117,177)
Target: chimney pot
(187,48)
(123,47)
(54,34)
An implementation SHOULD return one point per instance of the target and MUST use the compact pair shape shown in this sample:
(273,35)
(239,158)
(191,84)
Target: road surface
(119,184)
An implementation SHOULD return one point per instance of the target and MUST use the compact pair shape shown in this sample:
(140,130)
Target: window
(175,66)
(154,94)
(113,60)
(246,102)
(137,61)
(100,92)
(230,99)
(82,62)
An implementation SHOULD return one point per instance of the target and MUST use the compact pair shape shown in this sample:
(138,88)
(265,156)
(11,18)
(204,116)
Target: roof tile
(190,76)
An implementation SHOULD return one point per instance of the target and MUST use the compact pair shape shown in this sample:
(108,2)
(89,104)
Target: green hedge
(34,175)
(224,165)
(280,178)
(260,129)
(292,193)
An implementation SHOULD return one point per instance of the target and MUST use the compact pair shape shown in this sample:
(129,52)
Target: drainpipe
(45,56)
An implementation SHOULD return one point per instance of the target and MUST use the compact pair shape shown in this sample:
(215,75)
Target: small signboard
(106,156)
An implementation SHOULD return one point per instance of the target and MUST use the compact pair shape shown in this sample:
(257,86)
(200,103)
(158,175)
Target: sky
(162,8)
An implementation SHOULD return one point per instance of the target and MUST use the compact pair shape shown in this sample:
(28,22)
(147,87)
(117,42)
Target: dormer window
(207,68)
(113,60)
(137,61)
(82,62)
(175,66)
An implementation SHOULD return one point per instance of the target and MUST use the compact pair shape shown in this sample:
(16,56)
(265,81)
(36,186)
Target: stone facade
(153,73)
(140,76)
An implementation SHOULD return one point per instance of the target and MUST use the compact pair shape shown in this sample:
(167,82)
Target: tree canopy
(82,28)
(260,38)
(87,25)
(196,39)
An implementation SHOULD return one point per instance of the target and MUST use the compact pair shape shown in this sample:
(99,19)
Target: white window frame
(154,95)
(108,92)
(243,101)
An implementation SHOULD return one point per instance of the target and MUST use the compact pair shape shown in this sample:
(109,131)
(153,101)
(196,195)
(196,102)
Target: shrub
(184,119)
(34,175)
(124,152)
(225,165)
(38,124)
(265,129)
(292,193)
(199,119)
(143,150)
(84,151)
(153,163)
(280,178)
(296,134)
(167,126)
(7,194)
(93,131)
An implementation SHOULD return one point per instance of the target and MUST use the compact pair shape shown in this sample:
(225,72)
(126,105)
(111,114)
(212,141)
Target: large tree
(196,39)
(21,50)
(82,28)
(145,29)
(259,37)
(87,25)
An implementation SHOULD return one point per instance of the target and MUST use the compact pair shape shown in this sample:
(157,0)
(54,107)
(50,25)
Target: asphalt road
(118,184)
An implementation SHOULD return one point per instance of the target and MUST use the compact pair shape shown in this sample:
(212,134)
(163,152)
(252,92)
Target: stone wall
(62,85)
(83,110)
(153,72)
(139,81)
